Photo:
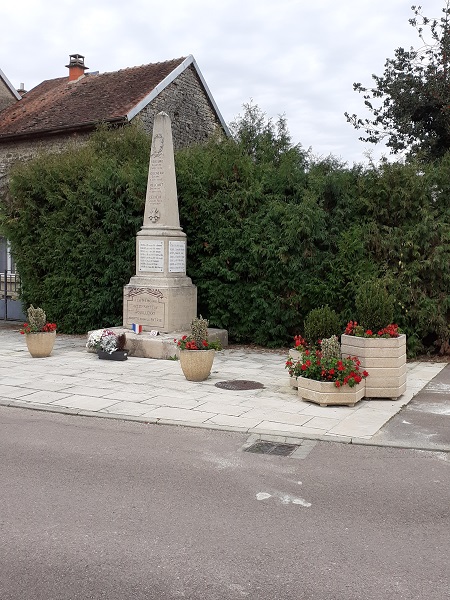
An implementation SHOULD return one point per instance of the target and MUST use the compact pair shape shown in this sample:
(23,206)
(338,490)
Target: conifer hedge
(272,233)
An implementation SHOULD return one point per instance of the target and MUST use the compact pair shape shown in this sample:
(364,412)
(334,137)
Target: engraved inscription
(177,257)
(156,179)
(146,310)
(151,256)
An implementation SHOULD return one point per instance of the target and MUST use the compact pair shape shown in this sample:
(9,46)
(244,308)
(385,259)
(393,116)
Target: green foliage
(409,102)
(374,306)
(71,219)
(320,323)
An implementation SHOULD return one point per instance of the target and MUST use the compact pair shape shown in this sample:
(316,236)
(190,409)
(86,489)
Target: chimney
(76,66)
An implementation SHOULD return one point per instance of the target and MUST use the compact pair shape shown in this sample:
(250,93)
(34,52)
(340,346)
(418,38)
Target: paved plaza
(75,381)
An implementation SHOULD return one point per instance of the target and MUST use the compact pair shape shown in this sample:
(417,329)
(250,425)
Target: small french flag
(136,328)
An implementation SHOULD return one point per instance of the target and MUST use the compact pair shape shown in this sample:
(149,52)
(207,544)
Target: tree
(410,102)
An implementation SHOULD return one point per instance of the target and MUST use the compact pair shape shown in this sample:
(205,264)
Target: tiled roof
(56,104)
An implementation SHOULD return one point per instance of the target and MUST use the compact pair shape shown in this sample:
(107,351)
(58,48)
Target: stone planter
(40,344)
(385,361)
(196,364)
(116,355)
(327,394)
(295,355)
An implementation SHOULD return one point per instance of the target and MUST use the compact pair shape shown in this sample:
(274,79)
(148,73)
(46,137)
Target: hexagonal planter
(384,359)
(327,394)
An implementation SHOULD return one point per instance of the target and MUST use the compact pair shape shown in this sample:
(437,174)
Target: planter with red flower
(196,352)
(296,354)
(383,353)
(327,379)
(377,342)
(39,335)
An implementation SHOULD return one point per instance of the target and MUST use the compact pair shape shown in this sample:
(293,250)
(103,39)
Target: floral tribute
(340,371)
(106,340)
(391,331)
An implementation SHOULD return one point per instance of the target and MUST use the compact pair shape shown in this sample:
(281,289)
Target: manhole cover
(239,384)
(271,448)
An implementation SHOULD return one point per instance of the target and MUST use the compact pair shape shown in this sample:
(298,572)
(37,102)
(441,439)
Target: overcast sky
(293,57)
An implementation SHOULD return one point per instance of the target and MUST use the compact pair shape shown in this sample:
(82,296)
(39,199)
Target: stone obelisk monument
(160,297)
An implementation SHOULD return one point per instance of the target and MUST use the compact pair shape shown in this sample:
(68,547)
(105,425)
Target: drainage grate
(271,448)
(239,384)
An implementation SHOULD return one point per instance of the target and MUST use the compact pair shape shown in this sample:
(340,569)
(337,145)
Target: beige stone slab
(44,397)
(231,421)
(129,408)
(133,397)
(85,402)
(170,401)
(363,422)
(10,391)
(221,408)
(278,417)
(325,423)
(80,390)
(179,414)
(287,428)
(328,411)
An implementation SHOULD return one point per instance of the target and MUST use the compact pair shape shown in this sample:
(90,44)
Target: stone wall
(193,117)
(6,96)
(23,150)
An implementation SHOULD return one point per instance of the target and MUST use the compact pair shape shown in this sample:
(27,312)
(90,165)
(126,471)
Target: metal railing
(9,293)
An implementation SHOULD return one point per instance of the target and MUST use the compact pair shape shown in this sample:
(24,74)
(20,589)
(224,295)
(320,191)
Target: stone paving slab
(156,391)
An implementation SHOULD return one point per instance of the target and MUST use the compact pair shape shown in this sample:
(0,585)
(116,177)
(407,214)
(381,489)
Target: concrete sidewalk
(74,381)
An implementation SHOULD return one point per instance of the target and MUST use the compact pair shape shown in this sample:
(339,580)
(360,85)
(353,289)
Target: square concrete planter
(385,361)
(327,394)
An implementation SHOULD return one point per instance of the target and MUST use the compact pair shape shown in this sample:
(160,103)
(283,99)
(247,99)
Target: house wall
(23,150)
(6,97)
(193,117)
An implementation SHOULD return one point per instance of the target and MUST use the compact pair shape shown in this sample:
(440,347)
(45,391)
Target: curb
(287,437)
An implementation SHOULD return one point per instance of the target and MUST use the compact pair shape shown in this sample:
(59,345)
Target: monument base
(146,345)
(166,305)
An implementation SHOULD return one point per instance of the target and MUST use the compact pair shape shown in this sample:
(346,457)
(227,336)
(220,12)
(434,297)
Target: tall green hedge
(272,232)
(72,220)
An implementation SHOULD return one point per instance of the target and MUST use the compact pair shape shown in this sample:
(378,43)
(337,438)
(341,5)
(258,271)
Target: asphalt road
(425,420)
(99,509)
